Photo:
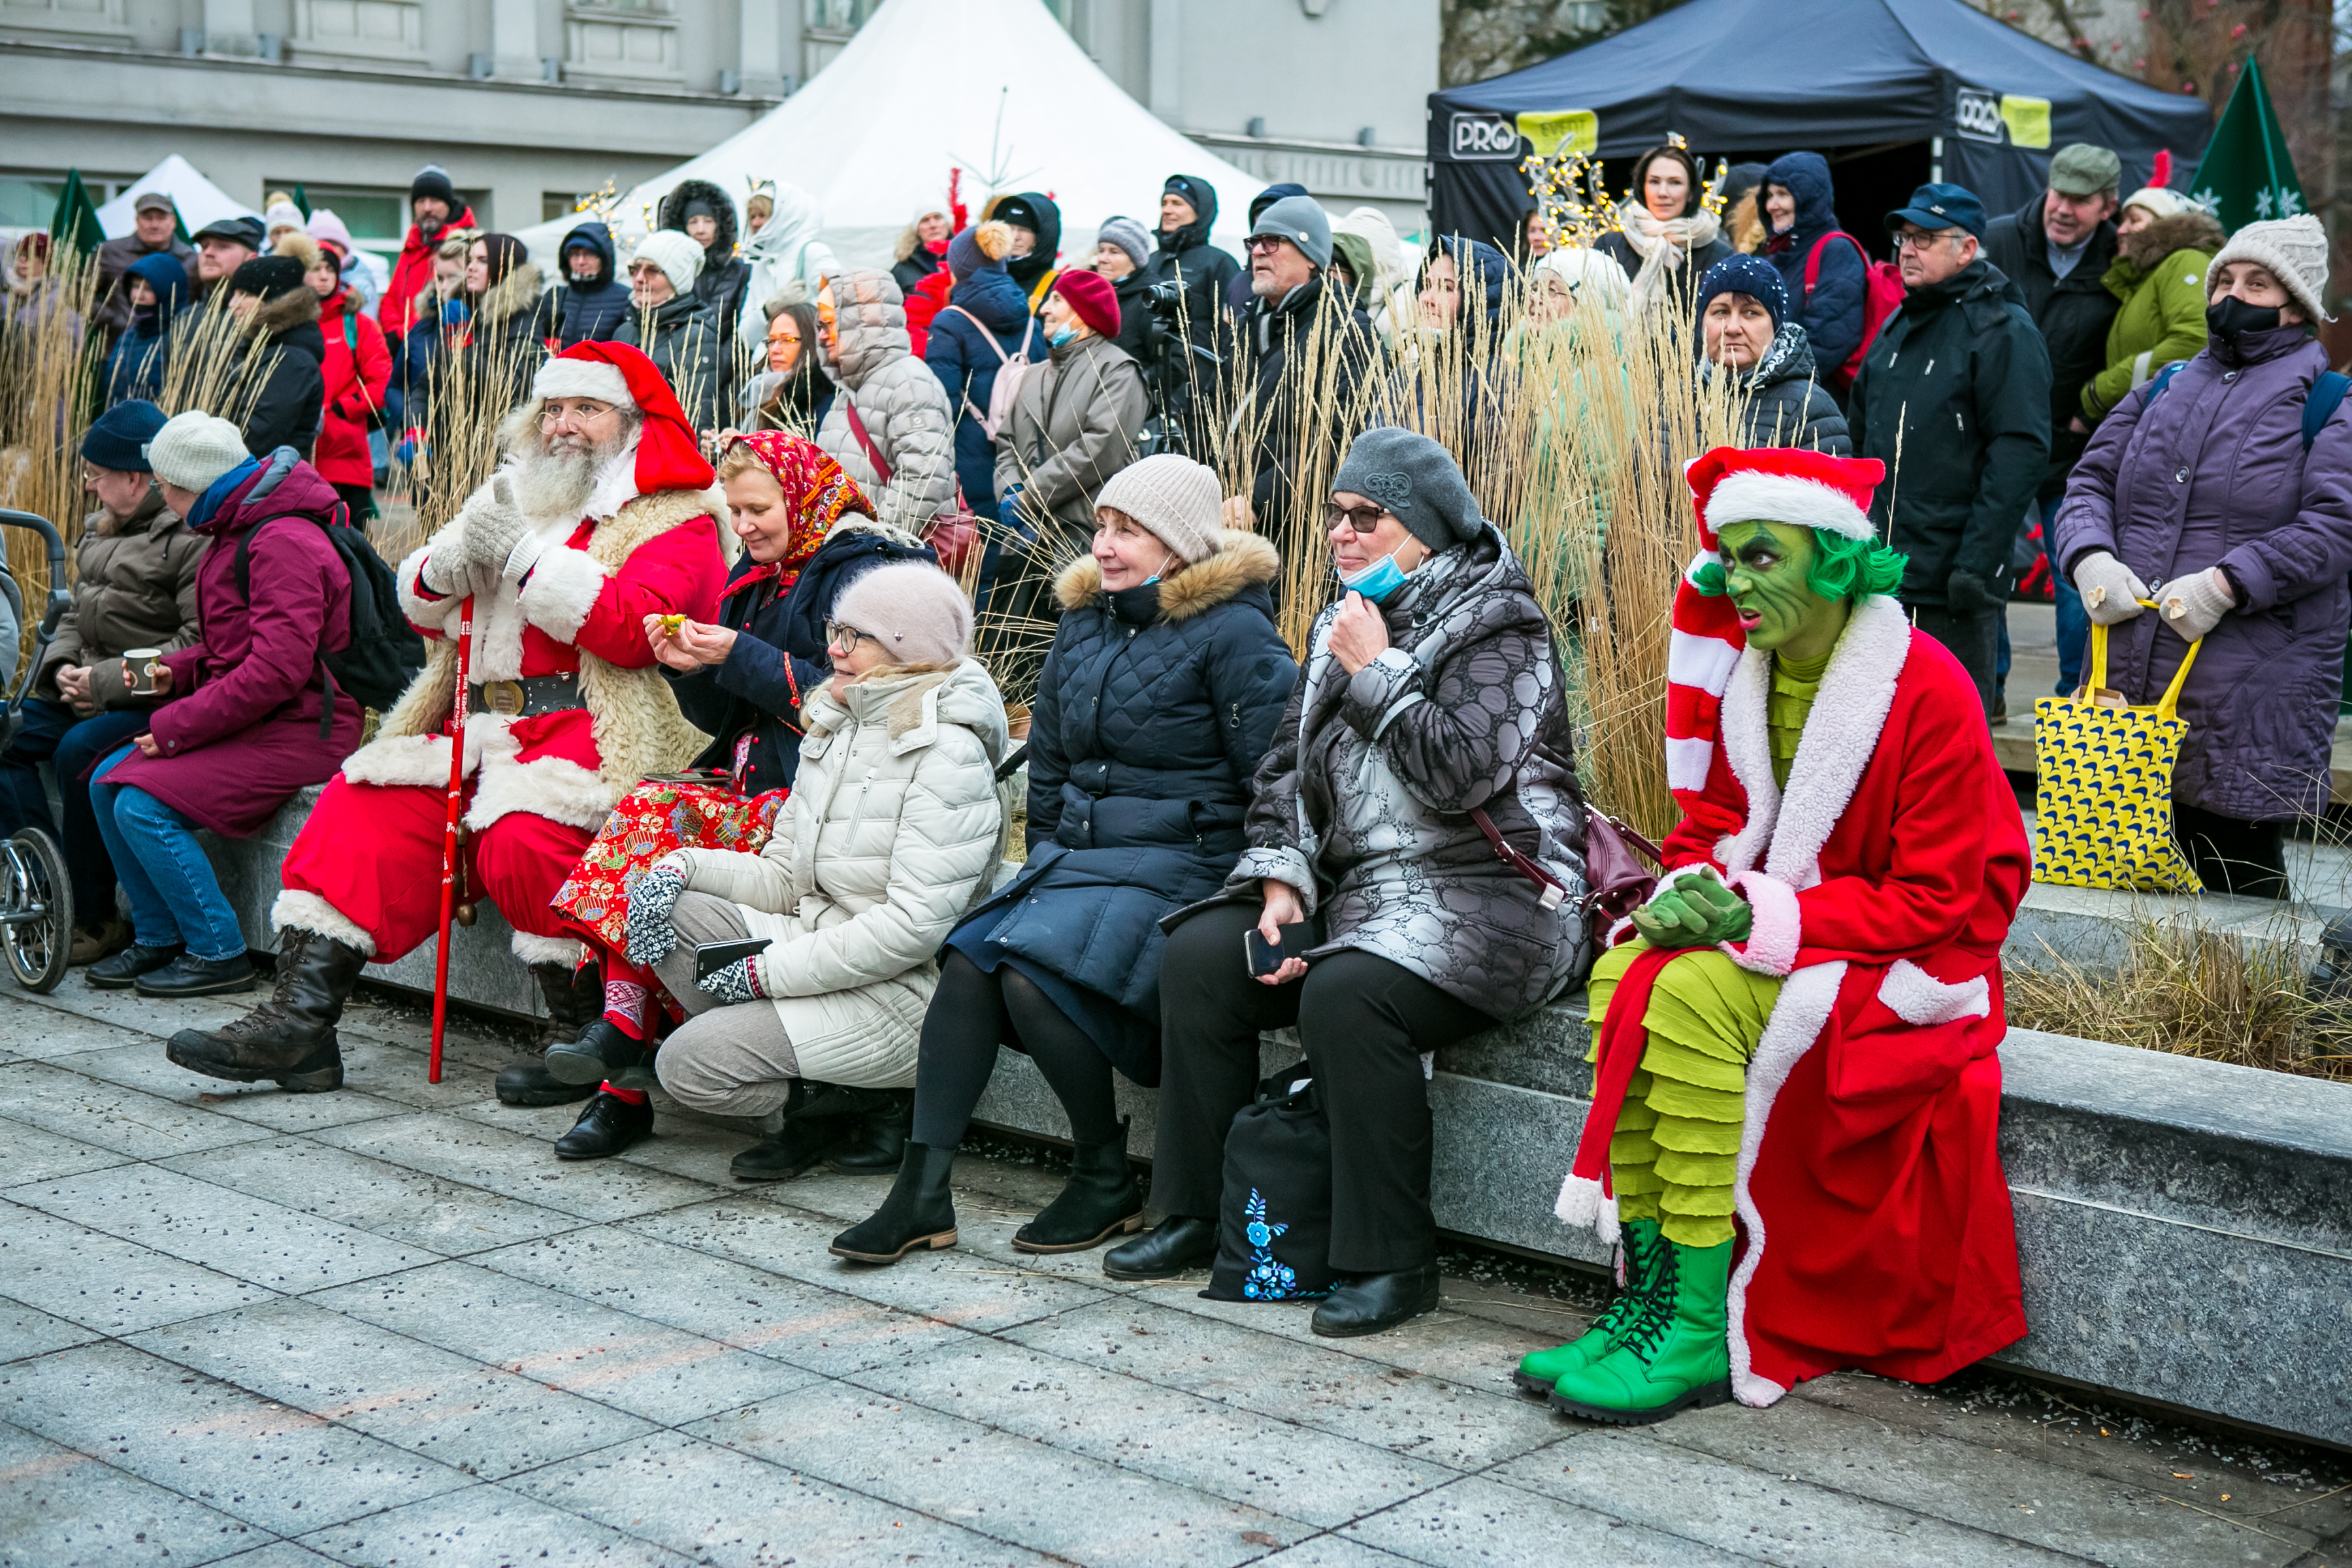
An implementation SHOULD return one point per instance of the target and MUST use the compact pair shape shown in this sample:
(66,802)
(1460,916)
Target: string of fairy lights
(1572,201)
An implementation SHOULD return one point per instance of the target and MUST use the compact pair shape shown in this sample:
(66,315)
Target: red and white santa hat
(1729,484)
(669,456)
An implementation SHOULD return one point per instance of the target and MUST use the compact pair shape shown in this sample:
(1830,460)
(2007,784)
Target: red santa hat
(1769,484)
(669,456)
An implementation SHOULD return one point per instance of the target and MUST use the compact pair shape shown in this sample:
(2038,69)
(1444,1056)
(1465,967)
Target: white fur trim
(299,911)
(1582,1202)
(1687,761)
(564,588)
(422,760)
(1775,930)
(583,378)
(1704,662)
(552,787)
(1842,734)
(1804,1005)
(616,484)
(1783,497)
(439,615)
(1919,999)
(1748,747)
(547,948)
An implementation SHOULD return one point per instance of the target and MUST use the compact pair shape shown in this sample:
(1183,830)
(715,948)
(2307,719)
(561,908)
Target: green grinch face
(1764,566)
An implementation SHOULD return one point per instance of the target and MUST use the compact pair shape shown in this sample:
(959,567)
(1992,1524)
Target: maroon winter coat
(240,734)
(2214,474)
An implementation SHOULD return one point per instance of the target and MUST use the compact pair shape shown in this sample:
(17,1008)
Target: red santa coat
(1876,1227)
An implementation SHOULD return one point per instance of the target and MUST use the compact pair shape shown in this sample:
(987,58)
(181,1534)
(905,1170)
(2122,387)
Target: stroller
(36,915)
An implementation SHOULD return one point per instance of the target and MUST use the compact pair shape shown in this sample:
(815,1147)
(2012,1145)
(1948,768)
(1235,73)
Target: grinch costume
(1797,1096)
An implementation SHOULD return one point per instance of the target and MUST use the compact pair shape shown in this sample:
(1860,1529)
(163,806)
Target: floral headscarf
(816,489)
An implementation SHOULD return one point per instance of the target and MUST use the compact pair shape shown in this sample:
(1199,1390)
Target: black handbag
(1274,1228)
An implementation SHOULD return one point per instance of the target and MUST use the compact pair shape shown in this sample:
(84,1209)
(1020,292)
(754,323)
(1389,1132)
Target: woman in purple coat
(2223,492)
(245,726)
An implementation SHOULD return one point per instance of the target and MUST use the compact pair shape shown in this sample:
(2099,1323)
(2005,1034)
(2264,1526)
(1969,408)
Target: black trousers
(2248,858)
(1364,1021)
(1974,640)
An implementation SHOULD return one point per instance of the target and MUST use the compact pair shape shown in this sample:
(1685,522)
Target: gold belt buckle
(503,697)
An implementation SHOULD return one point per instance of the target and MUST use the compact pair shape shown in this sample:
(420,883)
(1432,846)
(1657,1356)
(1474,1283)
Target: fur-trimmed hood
(285,313)
(512,295)
(1242,561)
(2144,248)
(723,210)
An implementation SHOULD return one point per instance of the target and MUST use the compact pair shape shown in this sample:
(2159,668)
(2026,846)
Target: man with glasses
(569,557)
(1954,398)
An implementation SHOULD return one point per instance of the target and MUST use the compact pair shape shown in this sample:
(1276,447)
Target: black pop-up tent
(1910,90)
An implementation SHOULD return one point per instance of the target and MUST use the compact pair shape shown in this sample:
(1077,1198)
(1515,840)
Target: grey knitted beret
(1417,480)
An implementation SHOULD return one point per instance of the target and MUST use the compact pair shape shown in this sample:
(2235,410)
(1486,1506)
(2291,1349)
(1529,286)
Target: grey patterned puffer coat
(899,400)
(1364,803)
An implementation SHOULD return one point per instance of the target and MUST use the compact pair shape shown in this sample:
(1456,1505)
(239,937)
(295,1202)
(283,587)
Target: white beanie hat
(675,254)
(2294,249)
(2160,201)
(194,449)
(282,215)
(918,613)
(1173,496)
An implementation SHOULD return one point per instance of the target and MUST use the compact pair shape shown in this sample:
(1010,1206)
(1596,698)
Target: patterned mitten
(738,982)
(651,936)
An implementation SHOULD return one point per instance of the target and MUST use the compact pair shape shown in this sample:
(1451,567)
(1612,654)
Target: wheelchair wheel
(35,909)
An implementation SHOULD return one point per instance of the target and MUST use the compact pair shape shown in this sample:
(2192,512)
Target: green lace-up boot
(1540,1370)
(1673,1357)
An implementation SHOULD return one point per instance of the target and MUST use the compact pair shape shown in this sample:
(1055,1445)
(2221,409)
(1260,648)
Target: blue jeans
(70,745)
(175,897)
(2073,621)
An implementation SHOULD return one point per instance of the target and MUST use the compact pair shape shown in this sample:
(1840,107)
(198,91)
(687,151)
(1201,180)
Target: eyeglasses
(1357,519)
(846,639)
(586,414)
(1268,243)
(1919,239)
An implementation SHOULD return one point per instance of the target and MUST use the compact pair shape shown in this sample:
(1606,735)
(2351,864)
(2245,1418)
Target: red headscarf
(816,489)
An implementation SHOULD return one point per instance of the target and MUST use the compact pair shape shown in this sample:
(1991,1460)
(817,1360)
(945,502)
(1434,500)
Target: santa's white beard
(556,477)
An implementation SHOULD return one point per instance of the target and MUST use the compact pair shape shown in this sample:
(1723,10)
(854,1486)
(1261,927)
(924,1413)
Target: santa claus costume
(566,711)
(1793,1134)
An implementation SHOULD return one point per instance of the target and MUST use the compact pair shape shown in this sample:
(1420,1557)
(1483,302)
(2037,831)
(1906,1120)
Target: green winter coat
(2160,276)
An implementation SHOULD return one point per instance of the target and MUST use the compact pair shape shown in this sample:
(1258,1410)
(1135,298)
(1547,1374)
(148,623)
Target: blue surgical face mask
(1379,581)
(1062,335)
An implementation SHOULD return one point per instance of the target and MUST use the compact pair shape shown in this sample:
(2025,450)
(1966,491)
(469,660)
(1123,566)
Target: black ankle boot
(919,1212)
(291,1037)
(603,1052)
(574,997)
(1370,1303)
(1100,1201)
(875,1139)
(606,1127)
(797,1147)
(1177,1245)
(121,969)
(188,976)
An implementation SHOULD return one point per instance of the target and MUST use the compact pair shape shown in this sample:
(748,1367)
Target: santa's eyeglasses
(578,415)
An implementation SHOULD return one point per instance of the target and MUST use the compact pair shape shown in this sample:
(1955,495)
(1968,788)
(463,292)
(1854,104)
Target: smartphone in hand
(1265,957)
(710,957)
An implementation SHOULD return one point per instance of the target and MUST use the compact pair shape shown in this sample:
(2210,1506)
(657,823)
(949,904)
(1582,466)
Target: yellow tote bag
(2103,807)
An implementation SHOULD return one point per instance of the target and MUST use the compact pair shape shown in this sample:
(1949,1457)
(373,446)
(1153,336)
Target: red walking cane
(449,837)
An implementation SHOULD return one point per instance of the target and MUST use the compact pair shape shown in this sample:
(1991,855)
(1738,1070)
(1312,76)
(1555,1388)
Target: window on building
(553,205)
(841,17)
(30,200)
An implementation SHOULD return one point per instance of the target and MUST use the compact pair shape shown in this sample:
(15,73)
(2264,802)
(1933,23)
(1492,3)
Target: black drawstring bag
(1273,1230)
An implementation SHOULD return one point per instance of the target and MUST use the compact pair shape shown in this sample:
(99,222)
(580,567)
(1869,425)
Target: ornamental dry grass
(2185,988)
(48,372)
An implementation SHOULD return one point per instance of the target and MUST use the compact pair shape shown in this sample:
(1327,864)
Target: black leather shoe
(528,1082)
(1177,1245)
(120,971)
(609,1125)
(1370,1303)
(919,1212)
(1100,1201)
(188,976)
(604,1051)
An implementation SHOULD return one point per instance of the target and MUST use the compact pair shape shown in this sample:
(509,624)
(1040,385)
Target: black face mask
(2232,318)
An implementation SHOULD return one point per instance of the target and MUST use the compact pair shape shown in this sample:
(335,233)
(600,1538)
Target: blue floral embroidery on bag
(1269,1279)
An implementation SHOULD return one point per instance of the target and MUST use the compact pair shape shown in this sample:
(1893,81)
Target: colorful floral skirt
(649,822)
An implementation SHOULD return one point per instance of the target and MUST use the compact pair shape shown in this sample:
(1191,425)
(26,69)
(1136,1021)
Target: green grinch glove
(1692,910)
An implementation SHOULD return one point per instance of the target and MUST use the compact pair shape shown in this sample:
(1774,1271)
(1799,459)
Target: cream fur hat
(1173,496)
(2294,249)
(194,449)
(921,615)
(2160,201)
(675,254)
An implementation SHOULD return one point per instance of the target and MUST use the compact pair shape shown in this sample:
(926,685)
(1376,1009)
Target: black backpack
(385,652)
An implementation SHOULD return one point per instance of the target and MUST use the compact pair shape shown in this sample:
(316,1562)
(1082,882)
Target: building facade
(529,103)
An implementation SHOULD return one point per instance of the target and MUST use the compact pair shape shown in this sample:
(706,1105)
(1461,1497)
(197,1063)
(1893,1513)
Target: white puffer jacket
(893,831)
(898,400)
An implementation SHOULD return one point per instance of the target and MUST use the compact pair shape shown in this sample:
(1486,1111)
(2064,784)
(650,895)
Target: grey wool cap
(1417,478)
(1302,221)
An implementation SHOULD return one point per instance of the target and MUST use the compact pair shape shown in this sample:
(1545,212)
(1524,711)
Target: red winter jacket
(357,368)
(411,273)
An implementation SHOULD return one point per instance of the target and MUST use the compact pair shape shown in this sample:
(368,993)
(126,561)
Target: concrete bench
(2185,1226)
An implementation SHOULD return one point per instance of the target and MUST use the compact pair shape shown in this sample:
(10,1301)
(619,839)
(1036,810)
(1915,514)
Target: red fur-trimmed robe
(1876,1223)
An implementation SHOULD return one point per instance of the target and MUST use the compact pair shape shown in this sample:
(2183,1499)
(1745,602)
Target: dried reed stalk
(49,369)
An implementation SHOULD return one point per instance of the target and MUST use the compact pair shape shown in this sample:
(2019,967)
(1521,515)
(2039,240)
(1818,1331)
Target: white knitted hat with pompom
(2294,249)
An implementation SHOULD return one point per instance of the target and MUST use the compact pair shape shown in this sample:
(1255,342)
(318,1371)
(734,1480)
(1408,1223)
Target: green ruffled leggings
(1675,1151)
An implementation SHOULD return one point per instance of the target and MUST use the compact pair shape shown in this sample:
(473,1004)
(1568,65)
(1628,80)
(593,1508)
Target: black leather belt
(526,697)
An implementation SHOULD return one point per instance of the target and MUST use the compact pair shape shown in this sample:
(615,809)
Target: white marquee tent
(199,200)
(993,88)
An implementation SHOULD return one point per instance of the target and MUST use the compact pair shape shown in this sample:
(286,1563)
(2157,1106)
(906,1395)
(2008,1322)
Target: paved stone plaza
(386,1326)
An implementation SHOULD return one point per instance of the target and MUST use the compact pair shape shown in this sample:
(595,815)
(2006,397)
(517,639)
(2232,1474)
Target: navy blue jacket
(134,366)
(1154,708)
(779,654)
(591,314)
(960,355)
(1832,315)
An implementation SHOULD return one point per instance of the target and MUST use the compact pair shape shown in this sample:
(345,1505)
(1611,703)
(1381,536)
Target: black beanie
(118,440)
(267,276)
(433,182)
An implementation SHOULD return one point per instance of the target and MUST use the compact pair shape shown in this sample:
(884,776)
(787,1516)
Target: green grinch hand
(1692,910)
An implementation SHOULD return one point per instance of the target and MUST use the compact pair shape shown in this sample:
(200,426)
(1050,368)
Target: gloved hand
(738,982)
(1693,910)
(2111,594)
(494,526)
(2192,605)
(1011,513)
(651,936)
(1966,594)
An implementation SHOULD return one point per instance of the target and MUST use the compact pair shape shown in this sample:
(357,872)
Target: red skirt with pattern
(649,822)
